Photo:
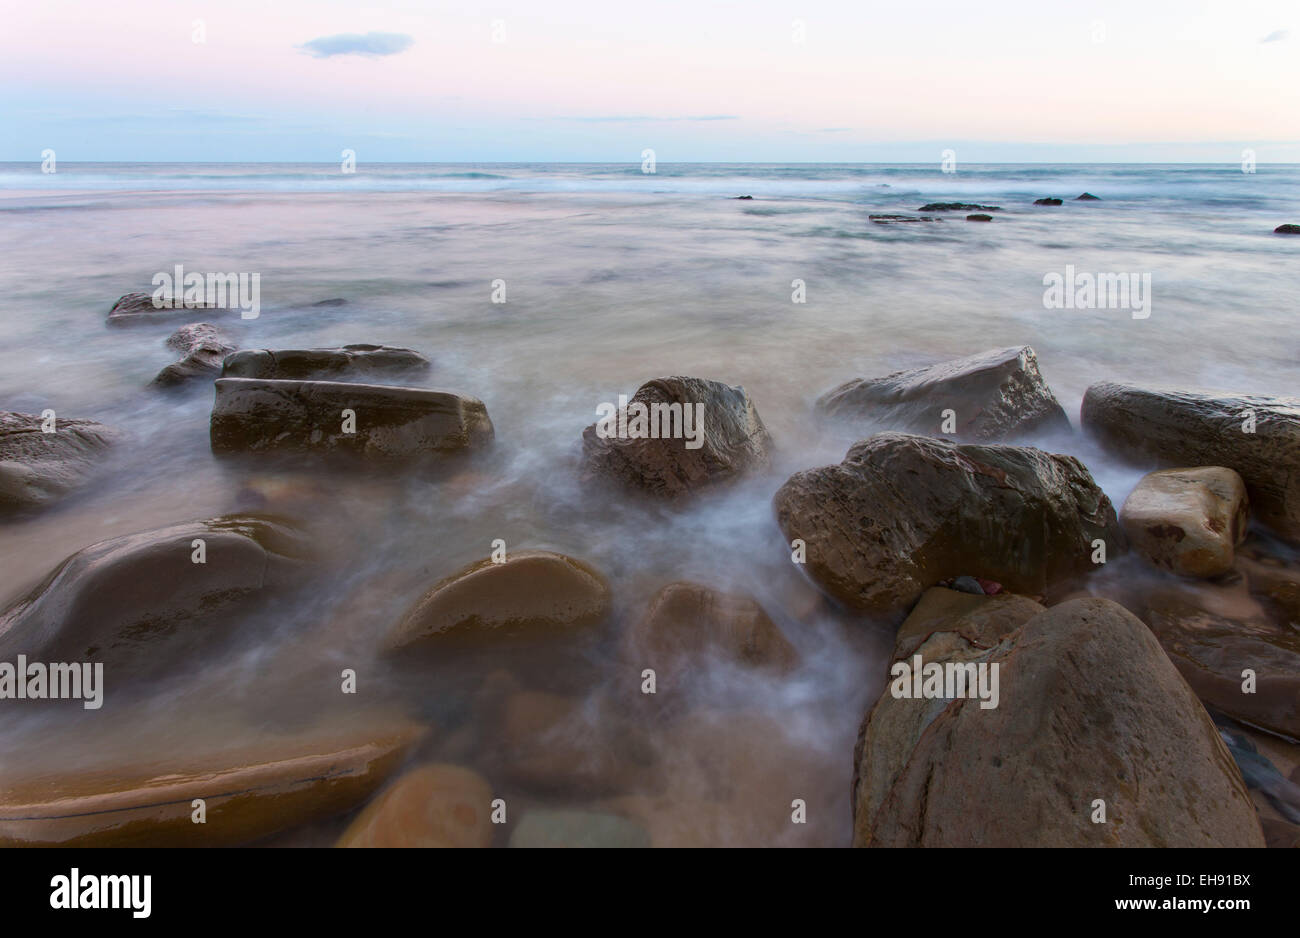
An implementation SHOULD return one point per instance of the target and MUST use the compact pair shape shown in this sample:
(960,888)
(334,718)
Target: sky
(600,81)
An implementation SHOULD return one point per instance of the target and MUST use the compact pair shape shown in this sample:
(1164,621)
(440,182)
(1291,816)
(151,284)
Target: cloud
(371,44)
(1276,35)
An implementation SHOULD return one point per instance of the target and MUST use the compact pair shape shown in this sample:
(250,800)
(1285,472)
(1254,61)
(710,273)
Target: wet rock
(250,791)
(139,309)
(332,301)
(1258,437)
(577,829)
(38,468)
(533,593)
(957,207)
(903,512)
(968,584)
(982,621)
(203,347)
(1087,197)
(993,396)
(896,219)
(1188,521)
(1287,229)
(348,361)
(1262,776)
(744,197)
(129,599)
(432,806)
(1089,708)
(252,415)
(1048,201)
(1272,578)
(979,217)
(726,438)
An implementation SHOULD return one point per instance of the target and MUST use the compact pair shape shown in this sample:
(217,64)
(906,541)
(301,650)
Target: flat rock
(138,309)
(348,361)
(896,219)
(957,207)
(1048,201)
(38,468)
(994,395)
(979,217)
(432,806)
(253,415)
(902,512)
(730,435)
(577,829)
(1187,428)
(1188,521)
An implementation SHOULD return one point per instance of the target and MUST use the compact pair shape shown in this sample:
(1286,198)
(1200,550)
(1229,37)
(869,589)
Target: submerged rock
(577,829)
(38,468)
(253,415)
(1048,201)
(204,349)
(533,593)
(979,217)
(903,512)
(1287,229)
(1188,521)
(958,207)
(1088,709)
(432,806)
(344,362)
(993,396)
(1258,437)
(704,433)
(894,219)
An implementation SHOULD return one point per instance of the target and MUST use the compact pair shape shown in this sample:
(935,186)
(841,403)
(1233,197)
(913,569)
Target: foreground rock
(432,806)
(38,468)
(250,792)
(577,829)
(314,417)
(348,361)
(1089,708)
(993,396)
(1258,437)
(678,435)
(121,600)
(1188,521)
(204,348)
(533,593)
(903,512)
(139,309)
(957,207)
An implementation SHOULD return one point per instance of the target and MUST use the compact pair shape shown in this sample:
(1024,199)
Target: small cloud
(1276,35)
(371,44)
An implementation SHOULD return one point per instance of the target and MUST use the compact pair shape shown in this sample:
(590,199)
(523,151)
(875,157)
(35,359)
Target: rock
(432,806)
(1047,202)
(38,468)
(138,308)
(979,217)
(1188,521)
(968,584)
(893,219)
(204,349)
(1261,775)
(1185,428)
(727,438)
(348,361)
(1089,708)
(994,395)
(577,829)
(744,197)
(253,415)
(1087,197)
(250,791)
(981,620)
(1272,579)
(534,592)
(957,207)
(121,600)
(687,622)
(332,301)
(1287,229)
(903,512)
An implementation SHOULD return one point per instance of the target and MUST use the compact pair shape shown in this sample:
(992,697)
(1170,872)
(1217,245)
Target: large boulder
(993,396)
(677,435)
(1088,709)
(252,415)
(1258,437)
(532,593)
(134,309)
(903,512)
(348,361)
(38,468)
(432,806)
(204,348)
(124,599)
(1188,521)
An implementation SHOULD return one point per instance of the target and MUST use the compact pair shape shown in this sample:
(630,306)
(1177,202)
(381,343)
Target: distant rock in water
(1087,197)
(1048,202)
(744,197)
(892,219)
(327,363)
(993,396)
(138,308)
(38,468)
(205,348)
(979,217)
(333,301)
(958,207)
(1287,229)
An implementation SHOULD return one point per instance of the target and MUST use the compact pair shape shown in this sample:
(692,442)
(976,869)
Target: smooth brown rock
(734,440)
(982,621)
(432,806)
(1188,521)
(903,512)
(533,593)
(1186,428)
(38,468)
(252,415)
(996,395)
(1090,708)
(348,361)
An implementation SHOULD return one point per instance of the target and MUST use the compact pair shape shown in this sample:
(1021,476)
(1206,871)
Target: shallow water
(612,277)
